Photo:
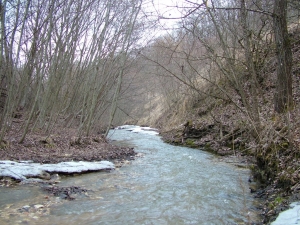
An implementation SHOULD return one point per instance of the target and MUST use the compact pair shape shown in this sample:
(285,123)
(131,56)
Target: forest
(224,77)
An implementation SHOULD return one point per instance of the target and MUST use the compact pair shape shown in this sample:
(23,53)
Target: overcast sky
(170,9)
(165,12)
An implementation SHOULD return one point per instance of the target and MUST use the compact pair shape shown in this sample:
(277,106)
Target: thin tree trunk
(37,95)
(250,68)
(283,96)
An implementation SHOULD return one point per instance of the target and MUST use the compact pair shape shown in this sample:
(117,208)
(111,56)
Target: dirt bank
(61,145)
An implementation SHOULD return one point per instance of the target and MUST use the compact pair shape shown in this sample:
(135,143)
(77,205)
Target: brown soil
(61,145)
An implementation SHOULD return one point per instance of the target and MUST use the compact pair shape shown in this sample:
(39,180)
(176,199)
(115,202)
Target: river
(165,185)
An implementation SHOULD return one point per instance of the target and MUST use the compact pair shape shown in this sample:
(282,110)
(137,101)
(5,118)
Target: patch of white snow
(290,216)
(24,170)
(138,129)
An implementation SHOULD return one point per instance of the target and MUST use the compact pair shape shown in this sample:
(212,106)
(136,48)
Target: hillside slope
(217,126)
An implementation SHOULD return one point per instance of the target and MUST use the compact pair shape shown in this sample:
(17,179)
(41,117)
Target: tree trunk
(251,69)
(283,95)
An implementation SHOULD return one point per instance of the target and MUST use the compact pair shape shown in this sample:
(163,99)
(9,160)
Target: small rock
(253,187)
(72,196)
(139,155)
(55,177)
(44,175)
(26,207)
(38,206)
(63,196)
(270,213)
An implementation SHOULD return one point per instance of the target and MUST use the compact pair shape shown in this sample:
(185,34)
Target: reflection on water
(169,185)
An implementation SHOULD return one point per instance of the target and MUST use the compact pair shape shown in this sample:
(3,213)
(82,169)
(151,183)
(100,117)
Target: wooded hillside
(229,82)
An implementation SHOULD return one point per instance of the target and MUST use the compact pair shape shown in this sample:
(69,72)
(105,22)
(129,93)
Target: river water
(166,185)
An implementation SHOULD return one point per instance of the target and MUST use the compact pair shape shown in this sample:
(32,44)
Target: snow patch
(24,170)
(290,216)
(138,129)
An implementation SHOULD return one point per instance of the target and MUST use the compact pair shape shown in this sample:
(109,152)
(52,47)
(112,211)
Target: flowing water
(167,185)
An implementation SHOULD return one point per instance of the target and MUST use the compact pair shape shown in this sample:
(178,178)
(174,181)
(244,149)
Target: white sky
(164,8)
(169,9)
(159,10)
